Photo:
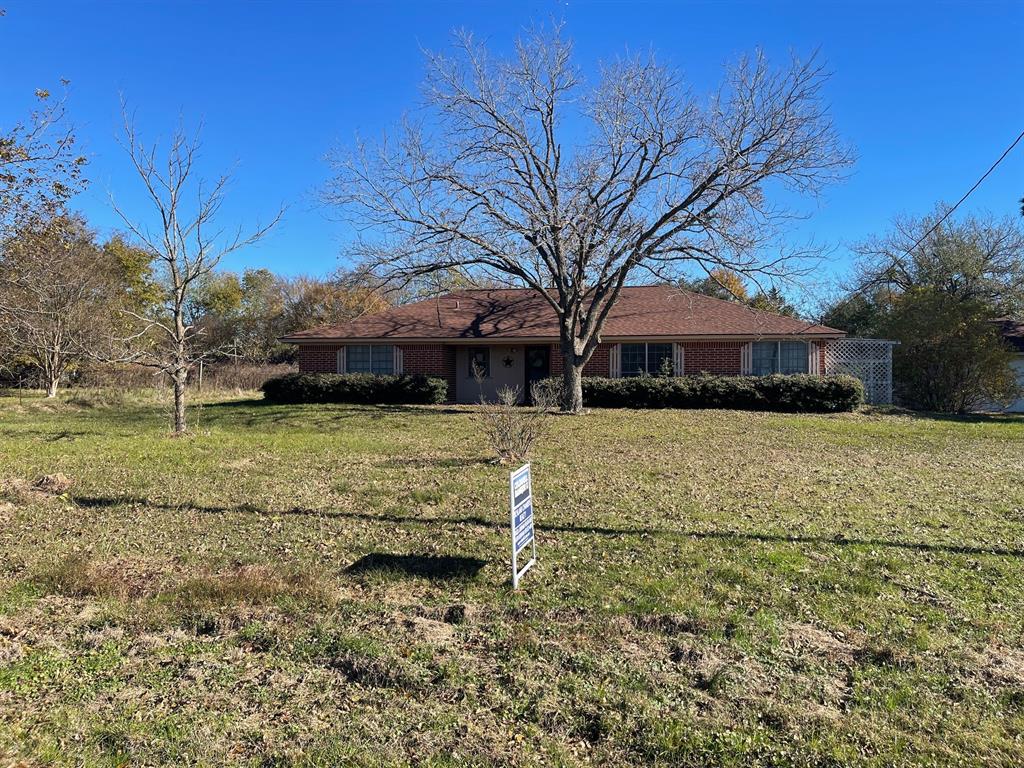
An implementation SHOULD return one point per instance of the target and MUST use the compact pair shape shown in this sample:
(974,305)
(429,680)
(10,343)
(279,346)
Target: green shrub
(798,393)
(355,388)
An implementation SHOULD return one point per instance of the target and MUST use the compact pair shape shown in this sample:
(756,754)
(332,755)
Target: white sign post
(521,495)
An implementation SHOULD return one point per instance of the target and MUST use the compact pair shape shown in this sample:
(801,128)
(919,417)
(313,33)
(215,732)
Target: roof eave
(616,339)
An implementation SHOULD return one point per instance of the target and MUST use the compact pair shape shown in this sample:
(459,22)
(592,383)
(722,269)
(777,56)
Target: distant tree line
(65,294)
(726,284)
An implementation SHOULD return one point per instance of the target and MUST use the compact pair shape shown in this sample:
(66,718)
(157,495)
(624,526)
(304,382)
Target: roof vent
(456,303)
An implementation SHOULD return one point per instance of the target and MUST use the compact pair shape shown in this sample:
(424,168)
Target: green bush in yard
(796,393)
(355,388)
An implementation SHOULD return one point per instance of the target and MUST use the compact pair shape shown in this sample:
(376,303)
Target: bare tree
(56,294)
(186,244)
(520,173)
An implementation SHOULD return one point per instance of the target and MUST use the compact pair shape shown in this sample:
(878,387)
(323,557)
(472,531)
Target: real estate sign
(521,494)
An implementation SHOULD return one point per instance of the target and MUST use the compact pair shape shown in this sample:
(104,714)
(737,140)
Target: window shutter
(747,358)
(813,359)
(398,361)
(341,359)
(615,361)
(677,359)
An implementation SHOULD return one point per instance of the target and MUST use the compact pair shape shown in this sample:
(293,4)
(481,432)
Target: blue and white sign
(521,495)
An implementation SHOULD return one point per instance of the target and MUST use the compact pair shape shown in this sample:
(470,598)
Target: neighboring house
(1013,333)
(511,335)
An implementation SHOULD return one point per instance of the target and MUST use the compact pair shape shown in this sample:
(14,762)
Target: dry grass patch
(1000,666)
(250,584)
(81,575)
(152,595)
(20,492)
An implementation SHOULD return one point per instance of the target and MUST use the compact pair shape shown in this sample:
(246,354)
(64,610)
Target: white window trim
(813,358)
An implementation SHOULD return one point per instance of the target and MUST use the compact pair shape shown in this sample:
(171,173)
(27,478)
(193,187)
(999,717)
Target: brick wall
(319,358)
(717,357)
(598,365)
(431,360)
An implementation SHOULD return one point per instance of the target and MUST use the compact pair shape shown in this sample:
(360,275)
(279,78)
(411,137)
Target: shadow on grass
(449,462)
(48,435)
(592,530)
(259,412)
(962,418)
(248,402)
(259,402)
(425,566)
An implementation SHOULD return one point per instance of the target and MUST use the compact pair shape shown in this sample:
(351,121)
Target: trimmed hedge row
(355,388)
(796,393)
(799,393)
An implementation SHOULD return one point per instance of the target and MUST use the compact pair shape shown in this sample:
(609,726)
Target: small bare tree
(512,429)
(186,244)
(519,173)
(57,295)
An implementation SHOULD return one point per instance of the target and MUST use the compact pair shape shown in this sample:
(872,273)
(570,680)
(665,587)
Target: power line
(861,289)
(967,194)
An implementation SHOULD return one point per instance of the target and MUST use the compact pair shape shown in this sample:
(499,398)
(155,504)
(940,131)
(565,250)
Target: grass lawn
(326,585)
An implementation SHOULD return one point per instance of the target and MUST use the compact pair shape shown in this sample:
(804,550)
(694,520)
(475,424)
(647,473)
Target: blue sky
(929,94)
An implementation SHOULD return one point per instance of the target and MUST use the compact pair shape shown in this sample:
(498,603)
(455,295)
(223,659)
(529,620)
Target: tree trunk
(179,378)
(51,369)
(572,378)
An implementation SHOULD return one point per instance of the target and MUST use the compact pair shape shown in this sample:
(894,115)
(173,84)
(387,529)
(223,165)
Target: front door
(538,366)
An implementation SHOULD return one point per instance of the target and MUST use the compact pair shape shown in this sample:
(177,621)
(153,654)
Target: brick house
(511,335)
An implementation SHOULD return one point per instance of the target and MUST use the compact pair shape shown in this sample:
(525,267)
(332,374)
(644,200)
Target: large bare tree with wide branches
(516,170)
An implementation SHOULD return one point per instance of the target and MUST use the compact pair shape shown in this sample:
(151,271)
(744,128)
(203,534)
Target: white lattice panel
(870,360)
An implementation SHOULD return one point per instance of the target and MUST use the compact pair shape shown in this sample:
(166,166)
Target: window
(779,357)
(766,358)
(646,360)
(634,359)
(480,362)
(659,359)
(377,359)
(792,357)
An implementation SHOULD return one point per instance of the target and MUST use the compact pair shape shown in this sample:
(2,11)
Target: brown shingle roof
(641,312)
(1013,332)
